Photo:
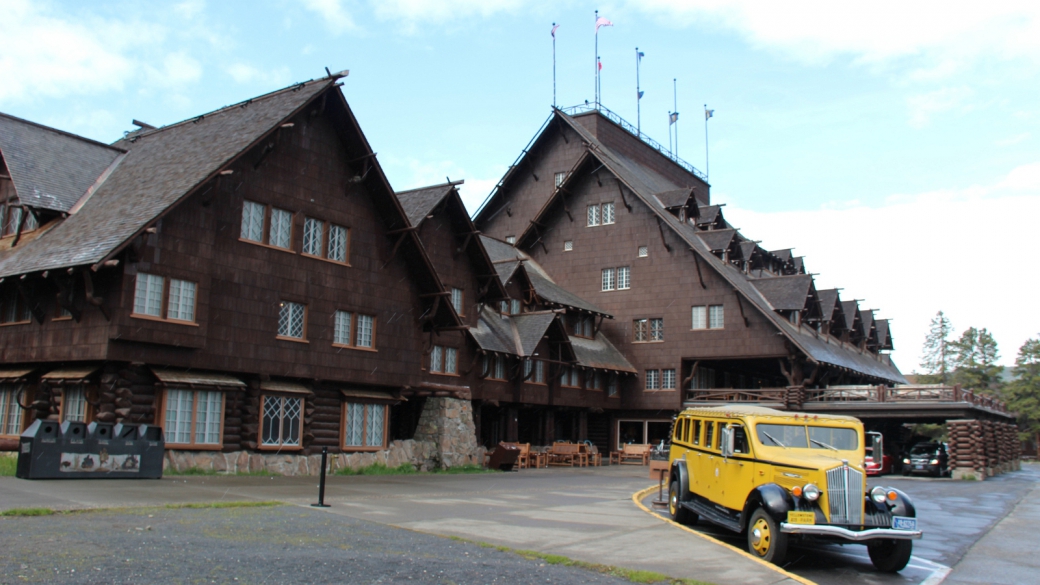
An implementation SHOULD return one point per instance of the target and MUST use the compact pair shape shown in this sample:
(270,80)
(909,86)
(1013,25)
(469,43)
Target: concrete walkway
(1007,553)
(585,514)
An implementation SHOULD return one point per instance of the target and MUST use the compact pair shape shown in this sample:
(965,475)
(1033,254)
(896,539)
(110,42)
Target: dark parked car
(927,458)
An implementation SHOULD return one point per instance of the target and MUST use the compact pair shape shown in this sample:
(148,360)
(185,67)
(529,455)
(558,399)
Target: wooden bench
(635,454)
(567,454)
(529,458)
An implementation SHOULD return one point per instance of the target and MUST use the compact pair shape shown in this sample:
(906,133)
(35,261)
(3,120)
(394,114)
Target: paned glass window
(74,404)
(608,213)
(568,245)
(437,359)
(148,293)
(715,317)
(282,421)
(539,372)
(292,318)
(457,300)
(624,279)
(608,279)
(182,300)
(341,328)
(10,413)
(640,330)
(656,329)
(668,379)
(364,425)
(313,236)
(653,380)
(560,178)
(13,309)
(643,252)
(593,216)
(253,221)
(612,385)
(699,317)
(338,236)
(193,417)
(514,306)
(500,368)
(510,239)
(366,325)
(281,228)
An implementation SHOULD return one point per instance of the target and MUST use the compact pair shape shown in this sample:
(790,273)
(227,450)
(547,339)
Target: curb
(637,498)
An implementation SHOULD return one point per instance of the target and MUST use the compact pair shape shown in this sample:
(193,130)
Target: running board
(712,515)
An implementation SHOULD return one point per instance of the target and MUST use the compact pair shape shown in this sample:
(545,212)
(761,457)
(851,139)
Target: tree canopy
(937,355)
(975,357)
(1023,392)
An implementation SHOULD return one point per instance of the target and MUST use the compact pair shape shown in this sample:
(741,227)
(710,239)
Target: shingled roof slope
(785,293)
(494,332)
(708,214)
(51,169)
(418,203)
(828,302)
(674,197)
(599,353)
(851,310)
(531,328)
(500,251)
(717,239)
(160,168)
(551,292)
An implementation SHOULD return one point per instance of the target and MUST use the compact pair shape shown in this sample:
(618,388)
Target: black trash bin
(75,450)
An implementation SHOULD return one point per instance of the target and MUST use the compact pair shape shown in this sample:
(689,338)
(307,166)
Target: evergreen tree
(975,358)
(937,355)
(1023,392)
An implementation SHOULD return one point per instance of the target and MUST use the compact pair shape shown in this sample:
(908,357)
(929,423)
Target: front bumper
(846,534)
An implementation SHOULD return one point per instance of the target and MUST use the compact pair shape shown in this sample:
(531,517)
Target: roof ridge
(61,132)
(448,184)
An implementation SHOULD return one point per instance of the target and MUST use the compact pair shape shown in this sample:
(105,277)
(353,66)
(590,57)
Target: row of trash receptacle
(75,450)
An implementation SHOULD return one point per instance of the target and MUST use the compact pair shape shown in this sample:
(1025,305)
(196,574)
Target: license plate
(801,517)
(919,467)
(904,523)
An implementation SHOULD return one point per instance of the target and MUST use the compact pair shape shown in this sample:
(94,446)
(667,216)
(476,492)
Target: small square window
(568,245)
(643,252)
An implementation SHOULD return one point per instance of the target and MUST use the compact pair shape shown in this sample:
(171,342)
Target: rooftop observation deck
(916,402)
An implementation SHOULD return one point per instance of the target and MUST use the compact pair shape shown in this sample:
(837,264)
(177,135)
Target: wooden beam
(88,285)
(693,372)
(741,306)
(697,263)
(660,228)
(623,200)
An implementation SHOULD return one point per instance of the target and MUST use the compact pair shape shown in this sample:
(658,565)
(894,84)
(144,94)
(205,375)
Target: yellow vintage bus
(777,476)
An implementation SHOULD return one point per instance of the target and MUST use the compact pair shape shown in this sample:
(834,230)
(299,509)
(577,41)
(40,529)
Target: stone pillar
(446,429)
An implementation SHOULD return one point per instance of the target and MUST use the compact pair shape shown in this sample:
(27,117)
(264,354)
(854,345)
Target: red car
(875,444)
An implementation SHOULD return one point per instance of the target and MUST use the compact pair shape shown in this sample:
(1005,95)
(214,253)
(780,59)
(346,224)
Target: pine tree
(975,357)
(937,356)
(1023,392)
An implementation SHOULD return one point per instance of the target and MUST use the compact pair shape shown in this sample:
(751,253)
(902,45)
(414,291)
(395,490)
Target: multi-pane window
(457,300)
(325,240)
(656,329)
(341,328)
(292,320)
(715,317)
(193,417)
(709,317)
(510,307)
(583,325)
(653,379)
(280,234)
(624,277)
(569,377)
(560,178)
(14,216)
(338,237)
(607,279)
(366,329)
(640,330)
(281,421)
(597,381)
(278,222)
(612,385)
(253,221)
(10,413)
(607,214)
(593,216)
(495,366)
(534,371)
(13,308)
(668,379)
(568,246)
(313,236)
(181,306)
(148,294)
(353,329)
(364,425)
(74,404)
(444,360)
(643,252)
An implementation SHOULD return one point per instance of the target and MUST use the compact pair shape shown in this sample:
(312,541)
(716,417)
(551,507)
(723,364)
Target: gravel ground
(278,544)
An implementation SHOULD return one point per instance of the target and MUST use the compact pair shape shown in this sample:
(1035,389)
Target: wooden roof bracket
(563,134)
(465,243)
(660,228)
(88,285)
(472,363)
(397,244)
(65,297)
(740,305)
(693,372)
(697,263)
(598,325)
(623,200)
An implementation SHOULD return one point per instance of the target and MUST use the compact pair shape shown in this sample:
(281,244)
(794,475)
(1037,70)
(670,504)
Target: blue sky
(897,147)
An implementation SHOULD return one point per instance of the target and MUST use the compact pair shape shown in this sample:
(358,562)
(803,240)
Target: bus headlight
(811,492)
(878,494)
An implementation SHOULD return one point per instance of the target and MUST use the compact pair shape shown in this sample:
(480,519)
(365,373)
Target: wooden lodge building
(248,280)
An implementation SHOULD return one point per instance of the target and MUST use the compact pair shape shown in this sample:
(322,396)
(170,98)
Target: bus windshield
(795,436)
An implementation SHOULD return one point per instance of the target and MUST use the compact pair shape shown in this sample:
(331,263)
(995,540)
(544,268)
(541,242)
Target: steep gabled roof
(418,203)
(675,197)
(494,332)
(600,354)
(51,169)
(785,293)
(828,302)
(709,214)
(500,251)
(531,328)
(554,294)
(717,239)
(884,337)
(747,249)
(852,316)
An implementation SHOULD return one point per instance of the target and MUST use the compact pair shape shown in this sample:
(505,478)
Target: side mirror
(727,441)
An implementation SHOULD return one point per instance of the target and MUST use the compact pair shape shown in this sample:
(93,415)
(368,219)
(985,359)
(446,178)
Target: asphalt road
(954,515)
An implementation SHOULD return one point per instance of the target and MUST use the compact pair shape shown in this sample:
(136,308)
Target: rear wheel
(675,507)
(890,556)
(765,539)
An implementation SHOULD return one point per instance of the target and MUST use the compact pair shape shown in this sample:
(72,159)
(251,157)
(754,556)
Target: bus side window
(709,434)
(696,432)
(740,442)
(680,425)
(685,430)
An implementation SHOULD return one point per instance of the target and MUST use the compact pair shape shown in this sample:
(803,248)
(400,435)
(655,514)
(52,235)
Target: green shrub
(8,464)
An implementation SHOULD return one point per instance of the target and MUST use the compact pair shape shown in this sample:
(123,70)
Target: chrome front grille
(844,495)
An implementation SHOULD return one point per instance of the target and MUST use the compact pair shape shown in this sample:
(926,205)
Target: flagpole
(554,64)
(707,169)
(596,20)
(638,98)
(675,105)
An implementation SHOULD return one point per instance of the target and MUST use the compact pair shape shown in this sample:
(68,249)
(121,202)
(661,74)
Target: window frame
(164,305)
(656,334)
(628,277)
(88,408)
(10,405)
(568,245)
(642,251)
(442,367)
(592,215)
(265,230)
(603,213)
(652,380)
(193,445)
(281,445)
(22,314)
(364,425)
(640,330)
(606,286)
(721,311)
(460,304)
(354,331)
(278,329)
(324,246)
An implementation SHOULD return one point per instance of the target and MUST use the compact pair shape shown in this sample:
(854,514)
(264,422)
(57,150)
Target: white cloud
(871,32)
(924,106)
(964,252)
(439,11)
(245,73)
(177,70)
(336,16)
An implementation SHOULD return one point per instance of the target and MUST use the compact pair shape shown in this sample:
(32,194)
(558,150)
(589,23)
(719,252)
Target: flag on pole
(708,113)
(599,64)
(553,32)
(602,22)
(640,55)
(641,94)
(673,118)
